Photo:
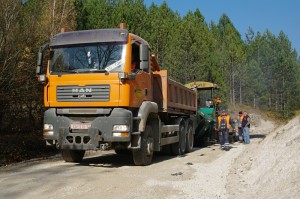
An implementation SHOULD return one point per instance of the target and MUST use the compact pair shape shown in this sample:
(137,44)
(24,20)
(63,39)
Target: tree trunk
(241,101)
(233,92)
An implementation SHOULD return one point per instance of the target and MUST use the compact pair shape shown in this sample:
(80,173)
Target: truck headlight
(121,128)
(48,129)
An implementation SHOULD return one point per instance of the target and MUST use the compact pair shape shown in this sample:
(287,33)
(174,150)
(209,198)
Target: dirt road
(204,173)
(200,173)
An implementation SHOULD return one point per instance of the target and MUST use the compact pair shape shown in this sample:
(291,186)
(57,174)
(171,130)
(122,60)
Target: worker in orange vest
(223,128)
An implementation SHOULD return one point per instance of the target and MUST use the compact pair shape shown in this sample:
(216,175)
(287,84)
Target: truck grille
(89,93)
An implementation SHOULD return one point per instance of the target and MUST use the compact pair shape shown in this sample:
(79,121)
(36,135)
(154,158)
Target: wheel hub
(149,146)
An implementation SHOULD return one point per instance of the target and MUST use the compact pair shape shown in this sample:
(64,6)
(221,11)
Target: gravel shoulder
(270,166)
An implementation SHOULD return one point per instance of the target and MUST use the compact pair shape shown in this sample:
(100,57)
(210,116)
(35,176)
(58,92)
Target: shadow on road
(110,160)
(113,160)
(254,136)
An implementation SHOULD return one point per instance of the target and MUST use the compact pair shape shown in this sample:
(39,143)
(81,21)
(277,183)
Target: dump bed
(171,96)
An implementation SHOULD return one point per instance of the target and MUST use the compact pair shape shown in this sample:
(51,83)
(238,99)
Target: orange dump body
(171,96)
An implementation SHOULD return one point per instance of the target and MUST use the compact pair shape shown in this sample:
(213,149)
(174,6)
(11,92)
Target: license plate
(80,126)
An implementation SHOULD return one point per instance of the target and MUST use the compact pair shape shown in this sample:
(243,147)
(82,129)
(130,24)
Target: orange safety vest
(241,117)
(240,121)
(227,121)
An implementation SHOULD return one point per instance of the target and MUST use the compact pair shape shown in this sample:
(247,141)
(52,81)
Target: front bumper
(100,128)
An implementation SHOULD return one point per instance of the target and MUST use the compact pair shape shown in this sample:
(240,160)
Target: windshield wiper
(91,70)
(64,72)
(79,70)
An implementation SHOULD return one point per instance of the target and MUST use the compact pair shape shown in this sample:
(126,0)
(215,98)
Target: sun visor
(89,36)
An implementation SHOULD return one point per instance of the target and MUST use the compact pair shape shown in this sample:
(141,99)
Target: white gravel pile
(269,168)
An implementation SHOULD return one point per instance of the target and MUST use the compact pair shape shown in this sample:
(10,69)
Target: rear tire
(179,147)
(72,155)
(143,156)
(189,139)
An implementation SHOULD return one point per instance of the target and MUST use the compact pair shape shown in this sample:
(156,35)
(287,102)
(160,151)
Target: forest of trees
(262,71)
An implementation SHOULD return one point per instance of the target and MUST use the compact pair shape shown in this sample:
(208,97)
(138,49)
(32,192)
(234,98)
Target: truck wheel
(72,155)
(189,139)
(179,147)
(143,156)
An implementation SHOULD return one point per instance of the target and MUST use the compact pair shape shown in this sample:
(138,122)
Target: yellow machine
(208,110)
(104,90)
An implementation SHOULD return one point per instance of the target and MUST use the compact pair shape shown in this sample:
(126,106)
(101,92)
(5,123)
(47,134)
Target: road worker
(223,128)
(246,128)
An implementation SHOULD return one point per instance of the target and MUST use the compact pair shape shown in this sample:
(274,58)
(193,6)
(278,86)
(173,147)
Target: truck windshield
(88,58)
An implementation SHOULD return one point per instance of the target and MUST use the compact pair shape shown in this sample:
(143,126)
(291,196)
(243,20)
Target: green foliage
(161,24)
(279,89)
(99,14)
(23,29)
(191,43)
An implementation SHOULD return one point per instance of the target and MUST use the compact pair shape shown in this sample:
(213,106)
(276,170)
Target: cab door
(141,83)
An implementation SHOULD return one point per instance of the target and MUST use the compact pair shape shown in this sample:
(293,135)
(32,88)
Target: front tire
(143,156)
(72,155)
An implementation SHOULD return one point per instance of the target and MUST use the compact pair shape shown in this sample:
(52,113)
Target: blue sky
(275,15)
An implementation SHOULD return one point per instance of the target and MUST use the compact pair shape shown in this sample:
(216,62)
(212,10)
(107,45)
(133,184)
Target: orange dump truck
(104,90)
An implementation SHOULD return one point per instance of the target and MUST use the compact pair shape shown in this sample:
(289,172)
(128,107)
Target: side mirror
(144,57)
(39,63)
(40,58)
